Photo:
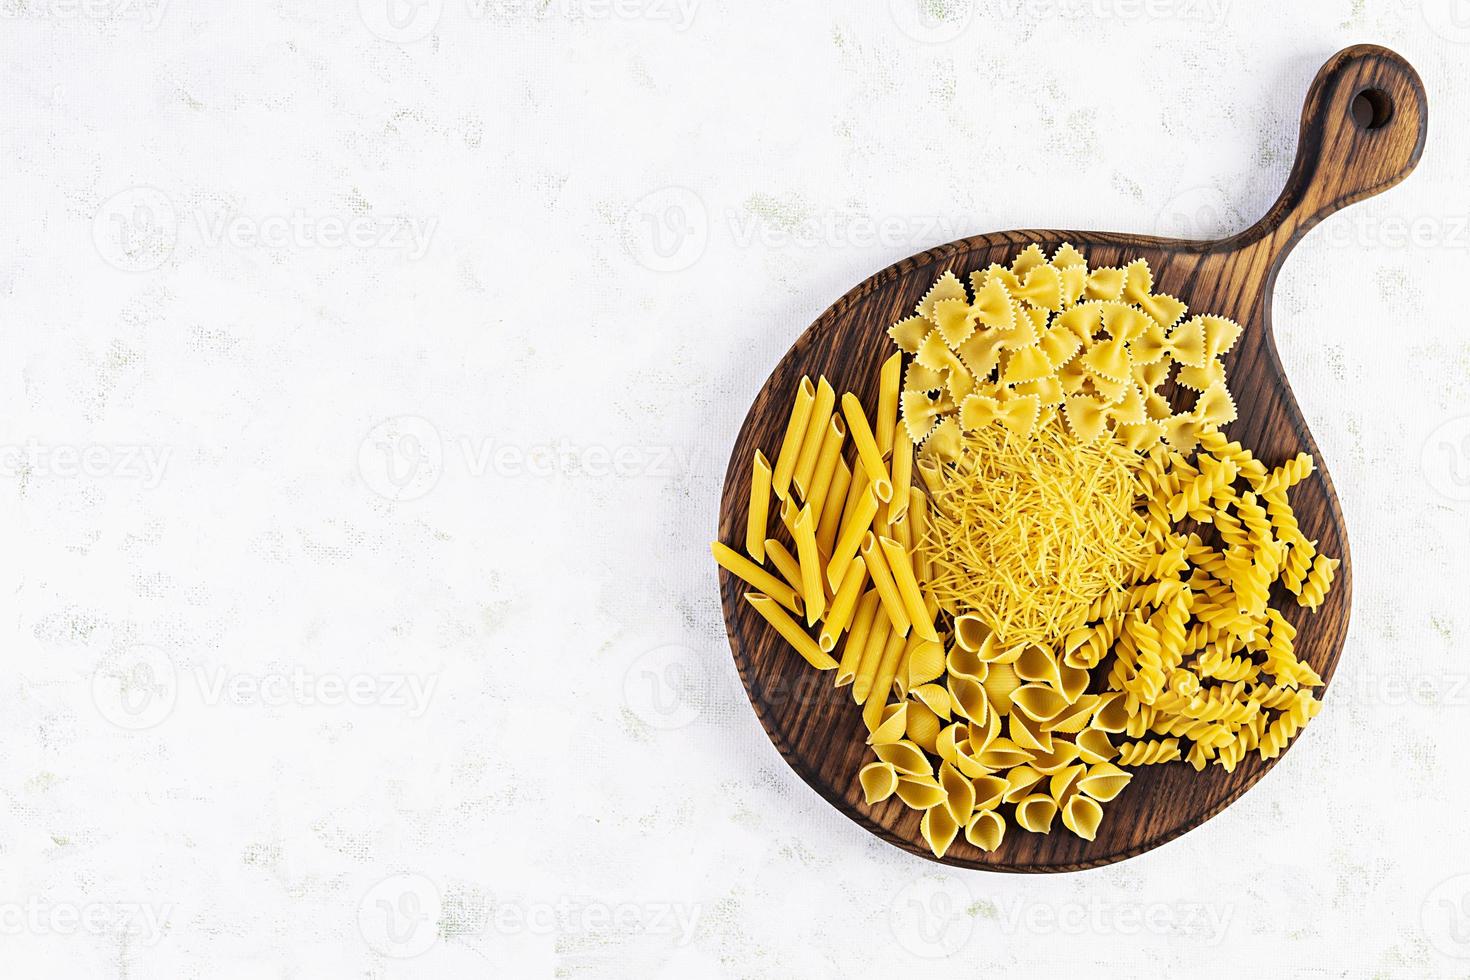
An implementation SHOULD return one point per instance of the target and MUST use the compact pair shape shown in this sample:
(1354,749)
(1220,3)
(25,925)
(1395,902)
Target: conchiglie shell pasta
(1039,702)
(1082,816)
(1104,781)
(893,726)
(878,780)
(1093,746)
(1036,813)
(919,792)
(986,830)
(959,794)
(939,829)
(905,757)
(923,726)
(1002,753)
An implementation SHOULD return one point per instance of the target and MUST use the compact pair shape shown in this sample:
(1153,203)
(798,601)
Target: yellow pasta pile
(1086,586)
(1029,531)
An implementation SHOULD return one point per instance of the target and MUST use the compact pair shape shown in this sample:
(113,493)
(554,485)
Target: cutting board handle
(1363,130)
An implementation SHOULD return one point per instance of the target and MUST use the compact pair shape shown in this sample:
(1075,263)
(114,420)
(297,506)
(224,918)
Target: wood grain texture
(1340,159)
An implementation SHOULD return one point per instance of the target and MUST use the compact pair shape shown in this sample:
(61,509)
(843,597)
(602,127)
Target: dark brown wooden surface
(1340,159)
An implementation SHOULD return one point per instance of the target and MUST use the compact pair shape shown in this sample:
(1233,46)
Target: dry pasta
(1072,579)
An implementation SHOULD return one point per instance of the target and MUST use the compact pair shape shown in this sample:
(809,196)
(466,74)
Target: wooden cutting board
(1362,131)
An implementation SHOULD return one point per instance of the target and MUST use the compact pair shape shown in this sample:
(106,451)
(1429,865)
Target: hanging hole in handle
(1372,109)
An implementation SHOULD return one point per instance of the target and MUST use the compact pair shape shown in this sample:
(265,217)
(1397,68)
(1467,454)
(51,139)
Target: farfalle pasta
(1034,569)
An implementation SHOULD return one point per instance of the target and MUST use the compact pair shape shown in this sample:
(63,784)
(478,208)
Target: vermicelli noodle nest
(1030,532)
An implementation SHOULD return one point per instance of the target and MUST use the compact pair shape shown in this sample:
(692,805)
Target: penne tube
(827,459)
(872,653)
(832,507)
(888,384)
(883,679)
(857,637)
(850,537)
(801,411)
(752,574)
(785,563)
(758,515)
(868,453)
(789,512)
(793,634)
(812,593)
(839,612)
(898,615)
(811,442)
(902,532)
(930,473)
(903,475)
(901,567)
(918,519)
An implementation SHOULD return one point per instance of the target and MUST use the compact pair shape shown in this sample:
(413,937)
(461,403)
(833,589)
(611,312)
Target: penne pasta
(901,566)
(857,637)
(801,411)
(902,532)
(898,615)
(839,612)
(804,531)
(811,441)
(903,474)
(785,563)
(752,574)
(868,453)
(855,487)
(827,459)
(872,654)
(850,537)
(760,504)
(893,654)
(793,634)
(918,520)
(832,507)
(888,385)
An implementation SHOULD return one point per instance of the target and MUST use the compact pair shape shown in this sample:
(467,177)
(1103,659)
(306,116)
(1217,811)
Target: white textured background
(368,383)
